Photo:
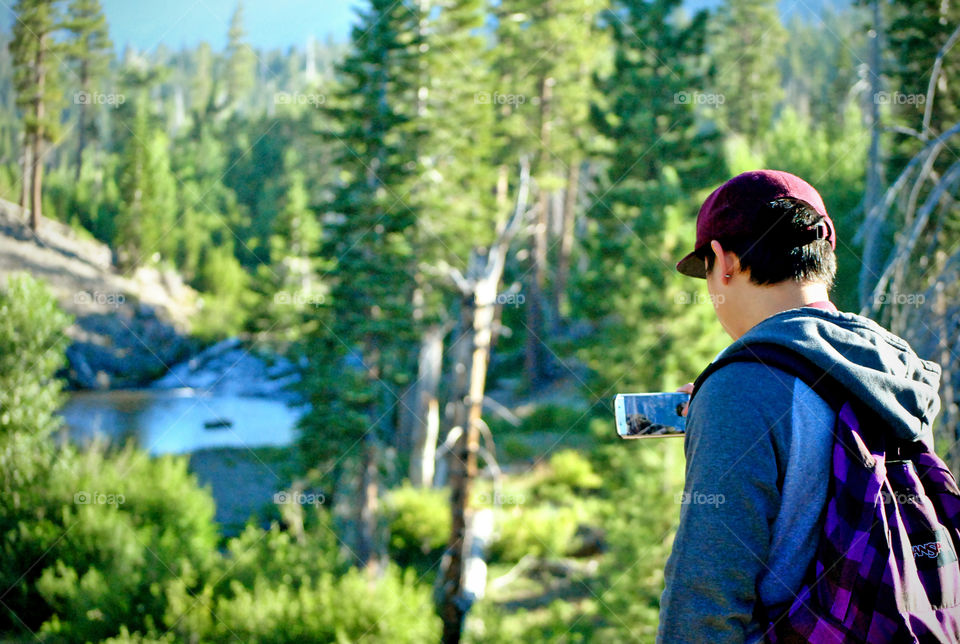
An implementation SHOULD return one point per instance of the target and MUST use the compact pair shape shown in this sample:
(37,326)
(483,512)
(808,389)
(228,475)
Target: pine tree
(145,225)
(657,327)
(544,101)
(35,58)
(917,32)
(241,61)
(294,270)
(32,345)
(361,355)
(453,194)
(818,72)
(207,204)
(201,81)
(746,40)
(90,52)
(33,342)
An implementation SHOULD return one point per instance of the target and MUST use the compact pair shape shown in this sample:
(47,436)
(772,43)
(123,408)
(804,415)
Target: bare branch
(907,243)
(934,76)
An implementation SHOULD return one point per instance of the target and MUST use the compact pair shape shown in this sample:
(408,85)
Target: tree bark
(368,497)
(566,238)
(26,173)
(36,179)
(535,355)
(477,310)
(477,317)
(36,172)
(82,117)
(426,411)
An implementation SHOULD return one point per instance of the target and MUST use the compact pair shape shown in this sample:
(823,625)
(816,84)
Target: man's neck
(763,301)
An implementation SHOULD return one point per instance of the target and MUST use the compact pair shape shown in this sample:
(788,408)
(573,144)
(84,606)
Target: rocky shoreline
(129,328)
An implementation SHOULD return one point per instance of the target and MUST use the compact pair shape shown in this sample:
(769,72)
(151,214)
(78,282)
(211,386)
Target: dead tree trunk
(426,411)
(479,292)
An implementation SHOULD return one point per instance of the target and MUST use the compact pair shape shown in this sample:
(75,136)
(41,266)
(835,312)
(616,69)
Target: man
(758,443)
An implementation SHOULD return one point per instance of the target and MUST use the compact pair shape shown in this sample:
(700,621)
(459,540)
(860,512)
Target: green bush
(570,474)
(275,554)
(270,591)
(642,483)
(113,545)
(554,418)
(542,531)
(561,621)
(117,528)
(418,520)
(516,448)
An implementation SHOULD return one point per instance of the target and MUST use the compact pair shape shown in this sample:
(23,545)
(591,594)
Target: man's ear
(725,262)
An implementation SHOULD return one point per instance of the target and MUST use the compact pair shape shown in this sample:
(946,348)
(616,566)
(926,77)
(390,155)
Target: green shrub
(418,520)
(542,531)
(570,474)
(554,418)
(642,485)
(302,605)
(275,554)
(126,637)
(120,527)
(561,621)
(515,448)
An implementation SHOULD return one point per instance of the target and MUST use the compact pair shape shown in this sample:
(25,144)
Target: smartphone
(650,415)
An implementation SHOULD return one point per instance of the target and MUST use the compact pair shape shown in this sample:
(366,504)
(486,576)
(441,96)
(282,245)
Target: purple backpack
(886,568)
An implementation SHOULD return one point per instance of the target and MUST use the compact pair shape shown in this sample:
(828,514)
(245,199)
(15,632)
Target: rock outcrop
(130,327)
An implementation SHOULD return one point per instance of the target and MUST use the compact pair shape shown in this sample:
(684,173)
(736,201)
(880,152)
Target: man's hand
(686,389)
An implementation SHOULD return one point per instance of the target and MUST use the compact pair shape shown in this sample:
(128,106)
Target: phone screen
(650,415)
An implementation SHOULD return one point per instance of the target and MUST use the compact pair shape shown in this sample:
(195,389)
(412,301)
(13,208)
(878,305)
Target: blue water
(164,421)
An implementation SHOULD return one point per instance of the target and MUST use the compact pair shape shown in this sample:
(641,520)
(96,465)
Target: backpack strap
(818,379)
(784,359)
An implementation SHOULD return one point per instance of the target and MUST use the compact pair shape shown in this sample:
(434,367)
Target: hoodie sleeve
(729,503)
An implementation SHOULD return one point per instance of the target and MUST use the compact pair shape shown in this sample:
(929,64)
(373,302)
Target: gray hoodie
(758,449)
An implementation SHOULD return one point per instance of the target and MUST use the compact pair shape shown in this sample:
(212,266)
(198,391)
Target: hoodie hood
(875,366)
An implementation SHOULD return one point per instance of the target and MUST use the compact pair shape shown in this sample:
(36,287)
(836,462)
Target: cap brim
(693,266)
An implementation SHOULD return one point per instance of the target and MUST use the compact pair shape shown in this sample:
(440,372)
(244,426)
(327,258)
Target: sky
(270,24)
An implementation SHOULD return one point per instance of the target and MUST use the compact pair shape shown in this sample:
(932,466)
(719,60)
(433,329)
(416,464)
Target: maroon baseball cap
(732,212)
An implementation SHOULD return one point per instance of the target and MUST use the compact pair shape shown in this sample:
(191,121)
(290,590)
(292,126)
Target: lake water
(183,420)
